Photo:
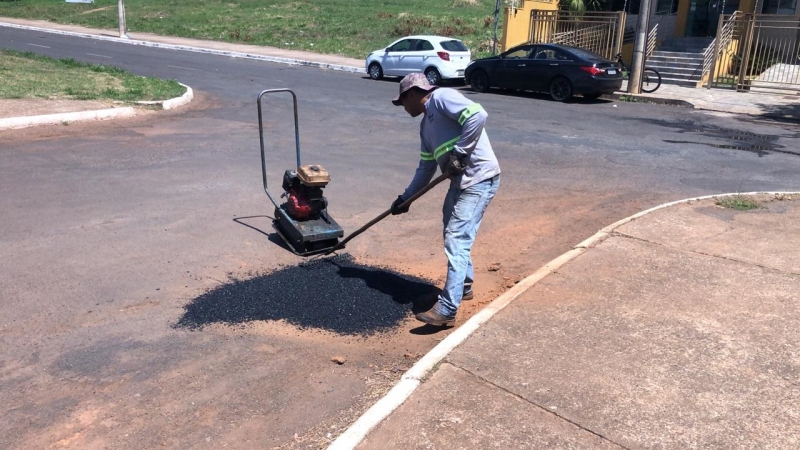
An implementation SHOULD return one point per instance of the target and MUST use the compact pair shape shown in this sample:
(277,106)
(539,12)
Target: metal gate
(600,32)
(757,52)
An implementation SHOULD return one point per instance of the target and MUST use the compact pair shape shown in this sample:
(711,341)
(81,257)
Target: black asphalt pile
(337,295)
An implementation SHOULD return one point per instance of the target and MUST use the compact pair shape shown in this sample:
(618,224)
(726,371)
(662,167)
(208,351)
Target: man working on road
(453,138)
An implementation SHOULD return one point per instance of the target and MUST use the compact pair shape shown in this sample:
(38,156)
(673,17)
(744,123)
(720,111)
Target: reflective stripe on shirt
(468,112)
(446,147)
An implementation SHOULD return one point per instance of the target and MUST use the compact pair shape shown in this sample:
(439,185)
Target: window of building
(779,7)
(633,6)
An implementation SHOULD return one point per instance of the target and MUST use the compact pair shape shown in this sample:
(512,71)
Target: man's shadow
(403,290)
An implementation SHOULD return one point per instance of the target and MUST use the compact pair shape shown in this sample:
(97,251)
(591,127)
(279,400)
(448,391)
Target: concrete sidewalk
(763,104)
(754,103)
(679,330)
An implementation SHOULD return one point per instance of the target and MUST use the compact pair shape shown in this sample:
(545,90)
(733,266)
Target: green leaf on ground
(738,202)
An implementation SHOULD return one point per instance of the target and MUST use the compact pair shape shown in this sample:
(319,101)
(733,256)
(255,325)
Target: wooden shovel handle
(384,214)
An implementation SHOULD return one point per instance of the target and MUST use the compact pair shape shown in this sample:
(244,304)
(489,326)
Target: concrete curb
(13,123)
(51,119)
(173,102)
(654,100)
(276,59)
(356,433)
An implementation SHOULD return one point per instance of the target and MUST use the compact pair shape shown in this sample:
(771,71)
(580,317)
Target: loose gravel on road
(338,295)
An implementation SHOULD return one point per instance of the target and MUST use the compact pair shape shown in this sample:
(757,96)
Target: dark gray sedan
(559,70)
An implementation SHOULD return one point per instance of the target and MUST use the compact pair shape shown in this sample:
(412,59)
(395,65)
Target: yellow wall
(627,52)
(747,6)
(724,64)
(683,14)
(517,22)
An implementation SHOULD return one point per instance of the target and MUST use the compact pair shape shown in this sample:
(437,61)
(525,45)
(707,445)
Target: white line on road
(185,68)
(100,56)
(37,45)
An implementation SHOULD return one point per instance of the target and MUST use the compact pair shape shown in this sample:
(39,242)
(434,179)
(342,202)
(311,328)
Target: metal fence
(600,32)
(651,42)
(757,52)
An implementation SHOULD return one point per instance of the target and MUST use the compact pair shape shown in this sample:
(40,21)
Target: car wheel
(479,81)
(375,71)
(560,89)
(594,96)
(433,76)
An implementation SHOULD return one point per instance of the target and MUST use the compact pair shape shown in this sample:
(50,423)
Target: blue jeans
(463,211)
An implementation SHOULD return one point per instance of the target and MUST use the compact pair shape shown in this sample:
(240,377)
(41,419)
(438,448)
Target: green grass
(633,99)
(738,202)
(27,75)
(346,27)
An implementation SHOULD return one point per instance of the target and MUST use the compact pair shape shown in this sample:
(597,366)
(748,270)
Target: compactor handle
(261,136)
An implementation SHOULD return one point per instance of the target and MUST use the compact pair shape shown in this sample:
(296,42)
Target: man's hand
(455,167)
(396,206)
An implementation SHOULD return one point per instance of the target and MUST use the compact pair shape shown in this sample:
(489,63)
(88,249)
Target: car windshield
(454,46)
(585,54)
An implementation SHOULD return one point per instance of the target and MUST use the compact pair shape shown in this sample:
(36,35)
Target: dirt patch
(37,107)
(97,9)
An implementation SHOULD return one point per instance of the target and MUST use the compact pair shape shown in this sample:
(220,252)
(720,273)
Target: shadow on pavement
(426,330)
(578,99)
(786,112)
(240,221)
(275,238)
(725,138)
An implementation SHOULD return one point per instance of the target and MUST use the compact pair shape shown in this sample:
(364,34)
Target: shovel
(380,217)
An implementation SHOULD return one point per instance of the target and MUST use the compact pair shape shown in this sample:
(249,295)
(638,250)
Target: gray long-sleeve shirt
(453,123)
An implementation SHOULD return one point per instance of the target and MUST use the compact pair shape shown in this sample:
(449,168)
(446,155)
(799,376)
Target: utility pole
(639,46)
(123,29)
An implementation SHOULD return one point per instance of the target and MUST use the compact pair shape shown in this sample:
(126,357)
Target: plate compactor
(302,221)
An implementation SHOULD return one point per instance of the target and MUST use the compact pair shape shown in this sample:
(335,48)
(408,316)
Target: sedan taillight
(592,70)
(444,55)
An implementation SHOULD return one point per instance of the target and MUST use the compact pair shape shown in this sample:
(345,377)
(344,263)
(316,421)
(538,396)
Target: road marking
(37,45)
(185,68)
(265,79)
(100,56)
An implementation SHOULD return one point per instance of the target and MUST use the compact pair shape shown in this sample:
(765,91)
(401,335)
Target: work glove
(455,167)
(396,206)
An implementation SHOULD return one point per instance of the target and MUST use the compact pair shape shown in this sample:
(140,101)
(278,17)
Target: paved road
(109,230)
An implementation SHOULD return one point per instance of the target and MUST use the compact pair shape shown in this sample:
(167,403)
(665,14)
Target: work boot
(467,295)
(432,317)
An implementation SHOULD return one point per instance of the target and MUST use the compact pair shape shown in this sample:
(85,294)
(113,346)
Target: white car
(439,57)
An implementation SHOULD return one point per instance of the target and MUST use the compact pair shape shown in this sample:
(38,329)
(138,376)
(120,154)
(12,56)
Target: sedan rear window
(454,46)
(585,54)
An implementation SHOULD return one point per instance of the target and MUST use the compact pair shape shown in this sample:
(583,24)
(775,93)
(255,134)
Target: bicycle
(651,79)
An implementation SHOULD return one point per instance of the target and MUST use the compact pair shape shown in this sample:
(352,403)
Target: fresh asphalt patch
(337,295)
